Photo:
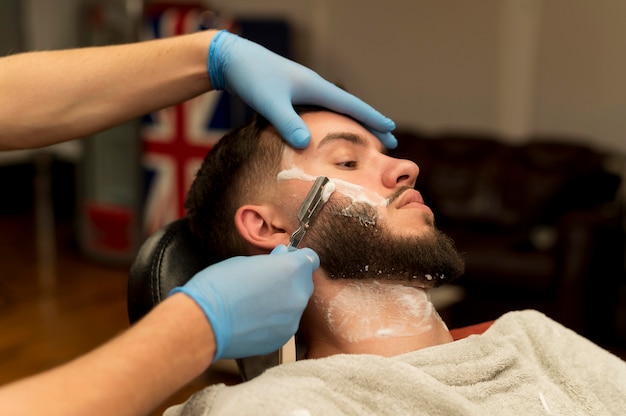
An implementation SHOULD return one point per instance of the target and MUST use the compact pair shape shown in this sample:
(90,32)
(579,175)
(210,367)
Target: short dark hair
(244,158)
(241,165)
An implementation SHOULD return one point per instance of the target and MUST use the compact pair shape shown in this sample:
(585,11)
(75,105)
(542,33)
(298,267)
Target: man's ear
(262,226)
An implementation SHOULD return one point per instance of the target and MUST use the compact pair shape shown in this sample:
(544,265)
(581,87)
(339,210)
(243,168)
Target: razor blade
(313,204)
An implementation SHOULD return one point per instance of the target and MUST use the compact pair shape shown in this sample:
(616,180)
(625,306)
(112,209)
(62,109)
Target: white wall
(50,24)
(513,66)
(425,63)
(398,54)
(581,70)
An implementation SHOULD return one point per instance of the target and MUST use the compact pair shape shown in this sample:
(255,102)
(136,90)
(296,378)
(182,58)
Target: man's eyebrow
(349,137)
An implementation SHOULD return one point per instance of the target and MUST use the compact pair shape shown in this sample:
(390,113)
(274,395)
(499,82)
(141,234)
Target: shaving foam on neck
(355,192)
(367,310)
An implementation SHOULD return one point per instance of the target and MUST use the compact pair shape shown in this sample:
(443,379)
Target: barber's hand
(272,84)
(254,304)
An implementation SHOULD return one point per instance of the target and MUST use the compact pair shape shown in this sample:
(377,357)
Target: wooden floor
(58,305)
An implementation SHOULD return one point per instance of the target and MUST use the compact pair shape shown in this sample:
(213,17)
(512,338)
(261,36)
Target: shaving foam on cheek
(355,192)
(328,190)
(294,173)
(359,194)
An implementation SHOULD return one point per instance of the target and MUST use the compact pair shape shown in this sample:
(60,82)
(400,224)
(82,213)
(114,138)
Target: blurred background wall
(512,66)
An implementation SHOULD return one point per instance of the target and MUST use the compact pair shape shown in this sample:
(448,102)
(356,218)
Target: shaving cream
(328,190)
(368,310)
(355,192)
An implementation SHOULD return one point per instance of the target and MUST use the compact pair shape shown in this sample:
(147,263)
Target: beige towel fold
(525,364)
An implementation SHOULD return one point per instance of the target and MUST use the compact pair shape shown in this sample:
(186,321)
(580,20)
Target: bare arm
(52,96)
(130,375)
(248,305)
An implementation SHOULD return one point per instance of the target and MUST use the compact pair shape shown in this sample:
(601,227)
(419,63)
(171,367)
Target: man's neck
(371,317)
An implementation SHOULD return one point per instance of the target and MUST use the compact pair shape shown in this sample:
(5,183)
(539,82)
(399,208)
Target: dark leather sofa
(538,222)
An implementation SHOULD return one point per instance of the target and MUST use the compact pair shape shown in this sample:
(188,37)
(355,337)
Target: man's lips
(410,199)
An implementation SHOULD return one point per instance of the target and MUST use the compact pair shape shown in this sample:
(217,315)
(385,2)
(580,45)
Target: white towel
(524,364)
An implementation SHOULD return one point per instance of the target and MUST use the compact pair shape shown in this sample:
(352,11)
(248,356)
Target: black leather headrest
(167,259)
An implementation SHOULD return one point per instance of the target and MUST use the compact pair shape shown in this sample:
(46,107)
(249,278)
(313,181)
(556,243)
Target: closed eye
(349,164)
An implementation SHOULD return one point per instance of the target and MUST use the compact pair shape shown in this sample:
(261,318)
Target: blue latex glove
(271,85)
(254,304)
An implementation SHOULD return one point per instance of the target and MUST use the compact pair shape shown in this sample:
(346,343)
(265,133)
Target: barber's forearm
(52,96)
(130,375)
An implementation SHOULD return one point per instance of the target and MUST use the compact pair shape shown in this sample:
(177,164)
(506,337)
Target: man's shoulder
(525,321)
(532,333)
(525,317)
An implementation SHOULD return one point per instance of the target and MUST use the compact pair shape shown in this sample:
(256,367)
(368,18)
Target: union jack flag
(176,139)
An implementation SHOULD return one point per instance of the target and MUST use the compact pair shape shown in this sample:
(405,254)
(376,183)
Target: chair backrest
(167,259)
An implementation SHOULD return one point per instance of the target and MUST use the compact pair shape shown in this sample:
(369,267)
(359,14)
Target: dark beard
(353,244)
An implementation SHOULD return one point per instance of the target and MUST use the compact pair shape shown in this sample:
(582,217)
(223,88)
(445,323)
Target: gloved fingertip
(389,124)
(299,138)
(390,141)
(311,256)
(315,260)
(386,138)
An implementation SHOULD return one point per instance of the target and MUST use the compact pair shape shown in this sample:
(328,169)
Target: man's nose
(401,172)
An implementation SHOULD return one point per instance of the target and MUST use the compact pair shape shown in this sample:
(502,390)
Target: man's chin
(391,250)
(423,230)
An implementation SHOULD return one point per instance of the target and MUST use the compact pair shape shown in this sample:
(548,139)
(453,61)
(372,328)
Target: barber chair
(167,259)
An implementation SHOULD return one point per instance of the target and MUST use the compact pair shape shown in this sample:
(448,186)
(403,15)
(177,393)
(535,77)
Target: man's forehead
(328,127)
